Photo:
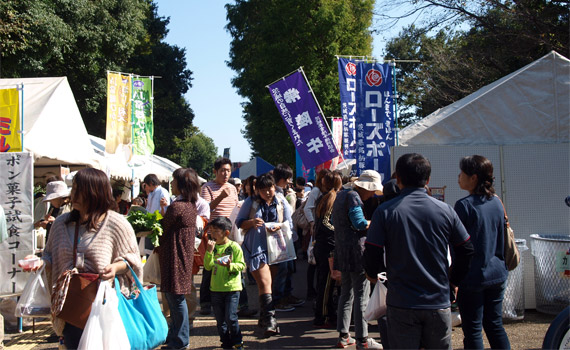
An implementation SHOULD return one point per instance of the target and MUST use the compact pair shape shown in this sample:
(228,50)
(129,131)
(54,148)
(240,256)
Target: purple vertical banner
(299,110)
(367,112)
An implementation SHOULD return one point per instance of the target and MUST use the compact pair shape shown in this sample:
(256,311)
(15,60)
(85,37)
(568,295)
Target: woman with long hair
(105,240)
(480,293)
(323,236)
(176,254)
(257,210)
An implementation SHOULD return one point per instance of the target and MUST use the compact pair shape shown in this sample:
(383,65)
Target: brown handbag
(512,254)
(74,292)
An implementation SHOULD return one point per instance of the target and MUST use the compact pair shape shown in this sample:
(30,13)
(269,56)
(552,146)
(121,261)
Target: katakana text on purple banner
(305,124)
(367,114)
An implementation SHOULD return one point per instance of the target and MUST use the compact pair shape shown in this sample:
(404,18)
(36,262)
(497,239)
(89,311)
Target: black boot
(267,315)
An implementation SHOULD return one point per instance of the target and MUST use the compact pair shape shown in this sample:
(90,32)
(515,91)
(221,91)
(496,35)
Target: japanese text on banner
(118,133)
(16,198)
(305,124)
(367,112)
(10,137)
(143,128)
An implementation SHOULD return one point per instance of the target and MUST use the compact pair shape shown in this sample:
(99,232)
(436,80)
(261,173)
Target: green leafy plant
(142,221)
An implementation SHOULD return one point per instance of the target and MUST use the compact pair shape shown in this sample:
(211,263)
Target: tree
(503,37)
(195,150)
(271,38)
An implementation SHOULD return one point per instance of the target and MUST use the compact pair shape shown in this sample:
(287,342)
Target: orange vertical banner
(118,134)
(10,136)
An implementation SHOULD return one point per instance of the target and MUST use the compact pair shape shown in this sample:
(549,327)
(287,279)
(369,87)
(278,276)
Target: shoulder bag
(74,292)
(512,254)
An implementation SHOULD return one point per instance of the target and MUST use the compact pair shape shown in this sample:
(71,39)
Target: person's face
(218,235)
(223,173)
(466,182)
(149,188)
(174,185)
(57,202)
(267,194)
(238,188)
(365,194)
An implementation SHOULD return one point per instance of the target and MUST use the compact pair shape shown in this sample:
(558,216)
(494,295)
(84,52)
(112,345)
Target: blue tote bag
(146,326)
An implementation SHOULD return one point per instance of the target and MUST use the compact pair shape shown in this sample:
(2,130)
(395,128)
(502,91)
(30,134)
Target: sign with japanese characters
(367,111)
(10,136)
(16,198)
(143,129)
(118,133)
(299,110)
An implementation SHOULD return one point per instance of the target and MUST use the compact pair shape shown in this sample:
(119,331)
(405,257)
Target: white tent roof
(53,128)
(530,105)
(117,167)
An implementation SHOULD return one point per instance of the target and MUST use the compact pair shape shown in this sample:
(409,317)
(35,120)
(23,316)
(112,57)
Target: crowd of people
(353,229)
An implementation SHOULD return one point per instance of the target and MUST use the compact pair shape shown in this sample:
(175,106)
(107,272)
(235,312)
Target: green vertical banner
(143,128)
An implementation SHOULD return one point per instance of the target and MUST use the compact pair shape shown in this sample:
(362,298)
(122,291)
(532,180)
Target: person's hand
(109,272)
(372,280)
(50,219)
(29,257)
(227,263)
(258,222)
(43,224)
(163,202)
(273,228)
(226,192)
(210,246)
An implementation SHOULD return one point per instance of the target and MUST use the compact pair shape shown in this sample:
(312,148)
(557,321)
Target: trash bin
(552,287)
(513,301)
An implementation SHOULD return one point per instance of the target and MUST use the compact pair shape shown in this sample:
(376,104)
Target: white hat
(237,181)
(369,180)
(56,189)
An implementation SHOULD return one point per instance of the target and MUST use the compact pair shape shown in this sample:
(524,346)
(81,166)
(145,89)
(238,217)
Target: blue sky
(199,27)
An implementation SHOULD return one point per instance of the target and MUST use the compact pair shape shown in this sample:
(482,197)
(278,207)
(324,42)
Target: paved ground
(296,328)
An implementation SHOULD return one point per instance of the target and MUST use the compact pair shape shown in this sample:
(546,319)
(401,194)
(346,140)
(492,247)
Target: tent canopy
(256,167)
(530,105)
(53,129)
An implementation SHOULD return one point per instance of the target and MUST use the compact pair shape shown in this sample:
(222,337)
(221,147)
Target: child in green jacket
(225,259)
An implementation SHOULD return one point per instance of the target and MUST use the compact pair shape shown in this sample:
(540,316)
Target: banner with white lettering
(303,120)
(16,198)
(367,111)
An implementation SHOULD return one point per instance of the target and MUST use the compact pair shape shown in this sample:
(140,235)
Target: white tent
(53,129)
(522,124)
(530,105)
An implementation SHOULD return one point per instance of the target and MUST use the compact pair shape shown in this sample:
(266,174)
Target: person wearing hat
(58,196)
(350,231)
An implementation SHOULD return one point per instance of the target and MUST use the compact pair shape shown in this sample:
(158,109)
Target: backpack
(300,220)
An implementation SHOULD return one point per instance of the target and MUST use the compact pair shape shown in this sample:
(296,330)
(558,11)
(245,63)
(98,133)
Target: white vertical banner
(16,198)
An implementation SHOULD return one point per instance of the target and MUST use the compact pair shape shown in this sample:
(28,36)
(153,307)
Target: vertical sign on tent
(301,170)
(303,119)
(337,137)
(118,134)
(142,116)
(10,135)
(16,198)
(366,106)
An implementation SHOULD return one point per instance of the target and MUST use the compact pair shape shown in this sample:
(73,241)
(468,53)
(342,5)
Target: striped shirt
(211,190)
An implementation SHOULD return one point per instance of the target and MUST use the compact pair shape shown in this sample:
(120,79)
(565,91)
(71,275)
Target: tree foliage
(501,37)
(83,39)
(271,38)
(195,150)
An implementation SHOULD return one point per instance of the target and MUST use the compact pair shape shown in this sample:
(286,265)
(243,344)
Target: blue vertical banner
(301,170)
(367,113)
(301,114)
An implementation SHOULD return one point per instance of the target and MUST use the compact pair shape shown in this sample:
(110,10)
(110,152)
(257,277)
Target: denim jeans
(225,309)
(415,328)
(354,288)
(482,308)
(205,297)
(324,310)
(243,300)
(179,330)
(281,285)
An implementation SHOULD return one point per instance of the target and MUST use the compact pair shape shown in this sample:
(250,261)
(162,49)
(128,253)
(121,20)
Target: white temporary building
(521,123)
(53,129)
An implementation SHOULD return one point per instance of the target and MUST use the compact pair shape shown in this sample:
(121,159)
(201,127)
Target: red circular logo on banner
(350,68)
(373,78)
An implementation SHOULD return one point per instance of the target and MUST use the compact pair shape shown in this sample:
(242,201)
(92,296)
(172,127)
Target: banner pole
(393,64)
(22,116)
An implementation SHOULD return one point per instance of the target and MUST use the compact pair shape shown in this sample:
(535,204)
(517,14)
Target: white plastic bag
(279,243)
(151,269)
(377,305)
(104,328)
(35,300)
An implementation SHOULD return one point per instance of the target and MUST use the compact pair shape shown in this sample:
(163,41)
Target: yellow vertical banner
(10,136)
(118,134)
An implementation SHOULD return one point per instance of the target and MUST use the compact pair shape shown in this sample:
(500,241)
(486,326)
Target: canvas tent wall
(522,124)
(53,129)
(256,166)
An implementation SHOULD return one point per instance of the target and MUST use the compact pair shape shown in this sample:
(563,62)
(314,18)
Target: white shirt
(153,201)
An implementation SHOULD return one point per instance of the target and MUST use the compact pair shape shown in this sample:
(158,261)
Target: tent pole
(393,64)
(21,88)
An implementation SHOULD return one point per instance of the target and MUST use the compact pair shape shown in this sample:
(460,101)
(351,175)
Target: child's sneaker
(368,343)
(344,342)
